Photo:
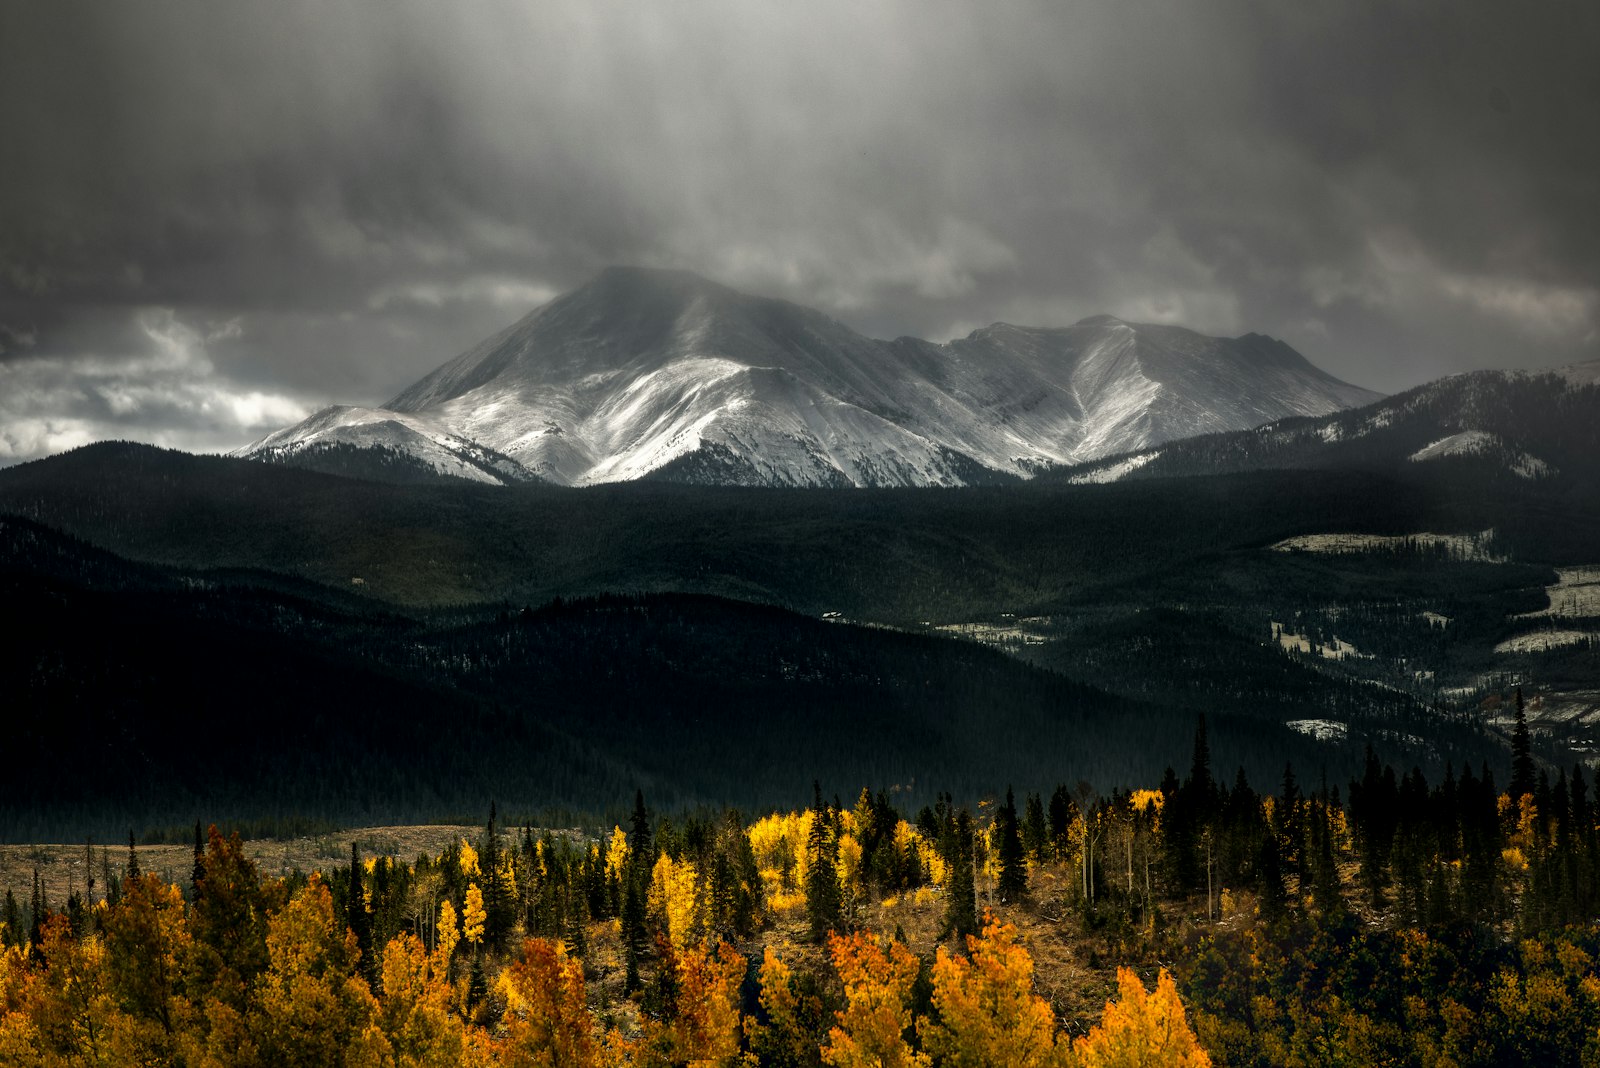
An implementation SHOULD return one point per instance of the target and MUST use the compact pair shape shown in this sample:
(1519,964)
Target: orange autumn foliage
(547,1017)
(1141,1030)
(988,1012)
(877,1013)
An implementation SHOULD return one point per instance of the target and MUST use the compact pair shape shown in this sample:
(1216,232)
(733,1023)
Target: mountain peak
(647,371)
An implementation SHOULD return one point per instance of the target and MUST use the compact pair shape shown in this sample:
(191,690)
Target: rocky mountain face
(663,374)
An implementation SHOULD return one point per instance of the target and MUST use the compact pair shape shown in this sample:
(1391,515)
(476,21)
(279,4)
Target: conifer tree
(133,857)
(961,899)
(1269,873)
(1035,830)
(823,894)
(1061,813)
(356,917)
(1522,766)
(36,909)
(1013,864)
(641,858)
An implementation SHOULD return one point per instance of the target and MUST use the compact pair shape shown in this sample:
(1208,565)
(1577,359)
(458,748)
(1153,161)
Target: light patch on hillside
(1477,546)
(1337,649)
(1575,596)
(1482,443)
(1114,472)
(1323,730)
(1021,632)
(1545,640)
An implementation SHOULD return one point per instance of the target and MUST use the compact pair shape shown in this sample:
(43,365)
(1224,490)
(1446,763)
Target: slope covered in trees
(151,697)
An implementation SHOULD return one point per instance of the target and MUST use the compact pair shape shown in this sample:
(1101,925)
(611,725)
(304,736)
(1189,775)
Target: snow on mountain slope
(1534,425)
(1481,443)
(665,374)
(422,439)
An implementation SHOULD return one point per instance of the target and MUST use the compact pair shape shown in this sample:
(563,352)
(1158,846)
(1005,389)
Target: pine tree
(357,919)
(961,899)
(36,909)
(1013,864)
(499,908)
(1061,813)
(1035,830)
(823,894)
(1522,766)
(1269,873)
(641,858)
(133,856)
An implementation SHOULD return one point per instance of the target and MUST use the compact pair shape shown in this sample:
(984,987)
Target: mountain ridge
(643,373)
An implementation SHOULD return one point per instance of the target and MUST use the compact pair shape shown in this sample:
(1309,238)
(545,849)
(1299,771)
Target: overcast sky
(215,217)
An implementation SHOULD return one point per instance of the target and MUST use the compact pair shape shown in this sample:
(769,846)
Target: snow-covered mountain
(663,374)
(420,439)
(1529,426)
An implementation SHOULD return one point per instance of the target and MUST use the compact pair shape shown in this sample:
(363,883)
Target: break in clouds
(215,217)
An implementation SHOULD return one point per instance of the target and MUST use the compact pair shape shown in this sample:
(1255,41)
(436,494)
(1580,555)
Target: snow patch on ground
(1459,546)
(1323,730)
(1575,596)
(1482,443)
(1337,649)
(1543,641)
(1022,632)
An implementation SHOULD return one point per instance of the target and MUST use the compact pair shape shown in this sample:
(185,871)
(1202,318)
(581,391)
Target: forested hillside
(152,696)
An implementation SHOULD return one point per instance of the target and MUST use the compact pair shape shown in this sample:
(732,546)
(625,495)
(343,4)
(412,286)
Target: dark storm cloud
(323,201)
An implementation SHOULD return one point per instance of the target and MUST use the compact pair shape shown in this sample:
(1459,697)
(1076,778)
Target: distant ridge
(646,373)
(1518,426)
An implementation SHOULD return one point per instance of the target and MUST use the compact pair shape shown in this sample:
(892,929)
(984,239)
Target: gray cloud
(161,387)
(367,188)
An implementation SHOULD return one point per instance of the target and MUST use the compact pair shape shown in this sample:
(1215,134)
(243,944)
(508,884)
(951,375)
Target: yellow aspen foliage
(779,844)
(314,1009)
(617,853)
(469,860)
(1141,1030)
(1149,801)
(988,1012)
(415,1016)
(449,930)
(547,1017)
(675,899)
(20,1040)
(473,915)
(877,1012)
(849,863)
